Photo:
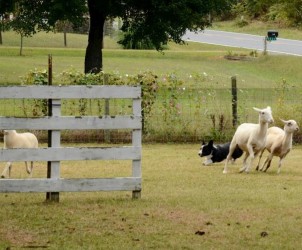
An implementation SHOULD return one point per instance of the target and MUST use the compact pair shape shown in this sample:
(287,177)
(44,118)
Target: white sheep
(278,143)
(12,139)
(250,138)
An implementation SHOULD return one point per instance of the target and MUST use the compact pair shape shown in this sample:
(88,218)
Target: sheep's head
(290,126)
(7,132)
(265,115)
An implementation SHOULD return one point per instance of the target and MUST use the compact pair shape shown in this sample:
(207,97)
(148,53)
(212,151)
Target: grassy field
(184,205)
(259,73)
(185,60)
(202,68)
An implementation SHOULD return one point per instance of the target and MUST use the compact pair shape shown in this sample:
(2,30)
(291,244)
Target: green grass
(179,198)
(53,40)
(202,68)
(184,60)
(262,72)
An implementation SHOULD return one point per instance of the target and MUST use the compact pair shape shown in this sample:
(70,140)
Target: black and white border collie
(217,153)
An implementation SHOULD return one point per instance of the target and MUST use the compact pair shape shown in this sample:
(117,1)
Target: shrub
(283,109)
(39,107)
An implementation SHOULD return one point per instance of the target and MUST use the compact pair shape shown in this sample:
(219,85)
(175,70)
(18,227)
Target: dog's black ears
(211,143)
(203,142)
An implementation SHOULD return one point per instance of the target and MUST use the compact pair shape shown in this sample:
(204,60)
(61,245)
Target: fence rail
(71,154)
(72,122)
(70,92)
(56,153)
(70,185)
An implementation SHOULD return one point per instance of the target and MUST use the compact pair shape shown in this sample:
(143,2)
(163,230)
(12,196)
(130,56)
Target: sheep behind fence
(55,152)
(12,139)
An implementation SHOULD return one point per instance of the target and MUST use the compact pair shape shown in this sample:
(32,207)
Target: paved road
(284,46)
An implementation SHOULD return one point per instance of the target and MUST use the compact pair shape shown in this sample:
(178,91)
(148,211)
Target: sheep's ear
(257,109)
(283,121)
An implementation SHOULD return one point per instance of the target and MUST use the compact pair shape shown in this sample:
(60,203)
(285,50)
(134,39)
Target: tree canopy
(155,21)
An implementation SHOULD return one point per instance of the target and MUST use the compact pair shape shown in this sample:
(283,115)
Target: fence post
(234,100)
(107,111)
(50,196)
(265,46)
(136,142)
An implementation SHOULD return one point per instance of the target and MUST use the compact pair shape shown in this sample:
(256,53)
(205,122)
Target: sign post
(271,36)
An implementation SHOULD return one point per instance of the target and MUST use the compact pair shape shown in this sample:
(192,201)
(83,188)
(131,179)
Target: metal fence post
(234,101)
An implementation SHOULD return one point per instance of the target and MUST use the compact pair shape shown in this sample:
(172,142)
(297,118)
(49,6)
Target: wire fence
(183,114)
(198,114)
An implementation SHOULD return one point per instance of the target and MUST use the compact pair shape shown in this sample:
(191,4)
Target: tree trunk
(1,42)
(93,57)
(21,45)
(65,37)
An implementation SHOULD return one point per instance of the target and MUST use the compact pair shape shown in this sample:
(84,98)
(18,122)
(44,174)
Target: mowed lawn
(184,205)
(184,61)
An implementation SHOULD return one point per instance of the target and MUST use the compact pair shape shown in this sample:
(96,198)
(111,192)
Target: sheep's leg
(7,168)
(264,164)
(268,162)
(244,162)
(257,168)
(255,156)
(245,157)
(251,159)
(31,168)
(225,170)
(229,157)
(281,160)
(279,165)
(27,168)
(267,165)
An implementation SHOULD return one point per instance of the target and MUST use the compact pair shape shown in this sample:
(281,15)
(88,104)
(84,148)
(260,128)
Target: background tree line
(284,12)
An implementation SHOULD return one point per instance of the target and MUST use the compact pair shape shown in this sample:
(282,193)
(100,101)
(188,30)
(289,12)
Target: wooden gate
(56,153)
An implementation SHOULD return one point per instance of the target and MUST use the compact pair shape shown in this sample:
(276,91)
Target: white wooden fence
(55,153)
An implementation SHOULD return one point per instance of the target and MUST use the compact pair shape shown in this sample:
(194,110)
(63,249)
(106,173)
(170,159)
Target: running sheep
(278,143)
(12,139)
(250,138)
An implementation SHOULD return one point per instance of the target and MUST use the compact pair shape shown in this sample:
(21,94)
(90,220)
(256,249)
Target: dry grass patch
(184,205)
